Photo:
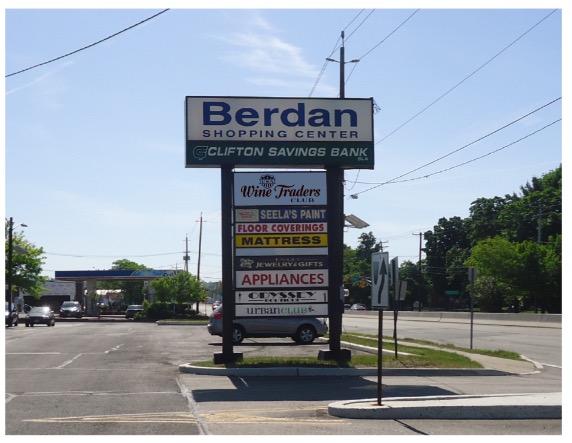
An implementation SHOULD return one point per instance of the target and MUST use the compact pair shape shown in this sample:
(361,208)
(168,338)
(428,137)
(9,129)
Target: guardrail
(507,319)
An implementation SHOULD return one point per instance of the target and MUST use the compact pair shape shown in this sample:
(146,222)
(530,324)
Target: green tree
(447,235)
(181,288)
(357,268)
(495,257)
(485,218)
(535,214)
(133,290)
(368,244)
(552,271)
(490,294)
(27,261)
(416,280)
(539,273)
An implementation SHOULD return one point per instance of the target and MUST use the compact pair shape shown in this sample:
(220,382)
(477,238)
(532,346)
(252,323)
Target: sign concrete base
(338,355)
(222,358)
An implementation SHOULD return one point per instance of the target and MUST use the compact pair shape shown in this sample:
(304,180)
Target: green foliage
(527,272)
(26,267)
(133,291)
(515,242)
(491,294)
(155,311)
(357,268)
(180,288)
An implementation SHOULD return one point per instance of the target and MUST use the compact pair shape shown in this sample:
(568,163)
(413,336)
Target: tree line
(514,242)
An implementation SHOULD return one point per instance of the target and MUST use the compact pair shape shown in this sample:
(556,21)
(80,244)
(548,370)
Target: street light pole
(335,193)
(10,262)
(342,63)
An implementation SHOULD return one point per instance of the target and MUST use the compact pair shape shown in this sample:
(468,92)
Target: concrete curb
(457,407)
(333,372)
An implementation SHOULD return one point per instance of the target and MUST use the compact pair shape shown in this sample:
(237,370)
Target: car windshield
(70,304)
(134,307)
(42,310)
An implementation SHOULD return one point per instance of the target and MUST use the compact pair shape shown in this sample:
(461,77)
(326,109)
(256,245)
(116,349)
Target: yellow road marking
(164,417)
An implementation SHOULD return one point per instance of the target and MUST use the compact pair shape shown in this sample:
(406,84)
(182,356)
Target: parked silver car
(303,330)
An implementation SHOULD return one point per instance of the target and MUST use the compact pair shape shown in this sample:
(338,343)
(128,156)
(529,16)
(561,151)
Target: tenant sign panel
(279,132)
(280,244)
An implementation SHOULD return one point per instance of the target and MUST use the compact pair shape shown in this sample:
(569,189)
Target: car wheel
(27,325)
(237,334)
(305,335)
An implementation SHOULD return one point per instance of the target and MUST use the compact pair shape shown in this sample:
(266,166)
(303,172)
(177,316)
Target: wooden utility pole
(186,257)
(420,270)
(200,241)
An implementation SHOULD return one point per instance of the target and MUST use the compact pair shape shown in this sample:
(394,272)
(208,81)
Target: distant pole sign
(279,132)
(281,265)
(380,280)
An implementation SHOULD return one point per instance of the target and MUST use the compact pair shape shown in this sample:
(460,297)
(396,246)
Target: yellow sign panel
(281,240)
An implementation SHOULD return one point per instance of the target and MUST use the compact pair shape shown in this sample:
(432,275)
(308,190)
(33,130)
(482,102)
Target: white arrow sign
(380,280)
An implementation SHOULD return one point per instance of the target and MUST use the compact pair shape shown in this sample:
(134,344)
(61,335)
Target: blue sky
(95,141)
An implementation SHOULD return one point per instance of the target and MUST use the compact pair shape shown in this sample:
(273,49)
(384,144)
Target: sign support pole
(379,354)
(335,188)
(228,308)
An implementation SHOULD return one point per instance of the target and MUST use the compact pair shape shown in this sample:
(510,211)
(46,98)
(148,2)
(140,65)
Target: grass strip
(408,357)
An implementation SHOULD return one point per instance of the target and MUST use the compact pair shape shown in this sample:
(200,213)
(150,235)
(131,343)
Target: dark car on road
(41,316)
(11,317)
(132,310)
(71,309)
(303,330)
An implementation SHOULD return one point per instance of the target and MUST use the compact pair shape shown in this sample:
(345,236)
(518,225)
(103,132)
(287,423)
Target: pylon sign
(380,280)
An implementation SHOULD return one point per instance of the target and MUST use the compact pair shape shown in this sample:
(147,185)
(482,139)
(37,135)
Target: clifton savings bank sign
(280,219)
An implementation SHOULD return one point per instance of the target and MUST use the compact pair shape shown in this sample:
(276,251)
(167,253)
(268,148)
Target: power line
(477,140)
(466,78)
(88,46)
(123,255)
(461,164)
(468,144)
(334,50)
(390,34)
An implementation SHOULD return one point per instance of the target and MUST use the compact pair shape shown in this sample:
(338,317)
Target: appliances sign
(280,244)
(275,132)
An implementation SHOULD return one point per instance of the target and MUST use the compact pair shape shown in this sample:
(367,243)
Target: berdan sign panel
(278,132)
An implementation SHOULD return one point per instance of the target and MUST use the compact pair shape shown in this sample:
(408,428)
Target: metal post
(335,190)
(228,311)
(379,354)
(9,276)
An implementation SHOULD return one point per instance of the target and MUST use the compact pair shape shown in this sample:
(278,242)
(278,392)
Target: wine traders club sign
(280,244)
(279,132)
